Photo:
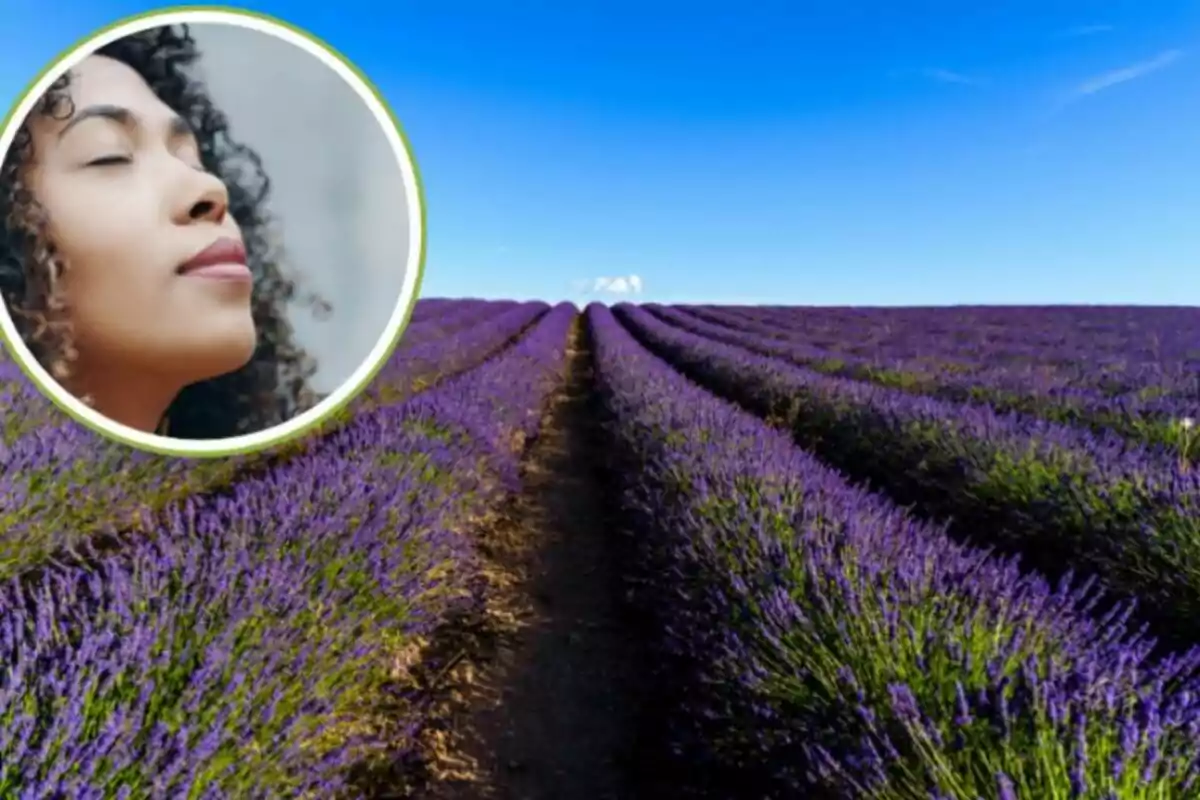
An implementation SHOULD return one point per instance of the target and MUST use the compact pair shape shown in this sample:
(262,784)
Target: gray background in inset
(337,189)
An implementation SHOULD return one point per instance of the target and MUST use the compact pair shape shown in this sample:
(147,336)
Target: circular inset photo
(213,232)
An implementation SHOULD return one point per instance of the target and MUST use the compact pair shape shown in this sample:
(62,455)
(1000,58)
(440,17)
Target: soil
(552,710)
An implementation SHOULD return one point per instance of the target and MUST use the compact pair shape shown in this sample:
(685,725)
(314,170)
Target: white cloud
(622,284)
(1107,80)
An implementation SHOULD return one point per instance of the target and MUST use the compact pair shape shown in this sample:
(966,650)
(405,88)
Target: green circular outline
(421,214)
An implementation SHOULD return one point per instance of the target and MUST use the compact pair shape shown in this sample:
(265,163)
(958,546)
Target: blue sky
(885,153)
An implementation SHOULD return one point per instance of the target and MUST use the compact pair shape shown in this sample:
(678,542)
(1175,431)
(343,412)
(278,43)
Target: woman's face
(130,206)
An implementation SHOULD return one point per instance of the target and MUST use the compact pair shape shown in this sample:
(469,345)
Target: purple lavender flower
(1061,496)
(239,650)
(810,631)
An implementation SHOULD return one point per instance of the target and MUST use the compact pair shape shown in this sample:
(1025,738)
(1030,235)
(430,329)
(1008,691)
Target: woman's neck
(139,403)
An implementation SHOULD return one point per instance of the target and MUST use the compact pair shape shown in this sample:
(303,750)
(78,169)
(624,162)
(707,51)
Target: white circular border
(383,346)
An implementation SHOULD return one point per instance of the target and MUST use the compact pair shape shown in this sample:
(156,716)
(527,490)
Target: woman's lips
(221,272)
(223,260)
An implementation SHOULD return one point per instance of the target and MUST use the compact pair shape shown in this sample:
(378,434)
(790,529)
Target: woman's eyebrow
(122,116)
(177,127)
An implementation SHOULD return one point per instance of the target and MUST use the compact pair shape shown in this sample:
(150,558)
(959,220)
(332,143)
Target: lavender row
(428,360)
(1138,354)
(64,485)
(444,309)
(1145,406)
(814,634)
(1060,337)
(1060,496)
(1116,366)
(260,644)
(925,342)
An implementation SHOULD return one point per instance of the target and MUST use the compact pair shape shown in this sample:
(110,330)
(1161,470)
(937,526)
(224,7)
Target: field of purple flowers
(887,553)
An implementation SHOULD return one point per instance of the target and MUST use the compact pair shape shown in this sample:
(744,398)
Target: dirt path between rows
(552,711)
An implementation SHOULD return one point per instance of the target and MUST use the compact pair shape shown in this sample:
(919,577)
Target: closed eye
(108,161)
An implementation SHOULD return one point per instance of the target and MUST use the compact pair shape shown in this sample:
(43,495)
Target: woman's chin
(220,357)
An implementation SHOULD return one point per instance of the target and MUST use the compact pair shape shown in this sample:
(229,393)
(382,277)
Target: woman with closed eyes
(134,251)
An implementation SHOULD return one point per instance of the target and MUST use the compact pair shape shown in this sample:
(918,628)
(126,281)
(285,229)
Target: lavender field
(818,552)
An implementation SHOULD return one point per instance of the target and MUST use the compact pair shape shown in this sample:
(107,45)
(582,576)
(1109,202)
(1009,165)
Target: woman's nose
(205,199)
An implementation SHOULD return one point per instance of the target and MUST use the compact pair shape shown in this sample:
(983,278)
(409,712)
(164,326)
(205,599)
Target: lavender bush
(826,639)
(1062,496)
(242,649)
(65,485)
(1072,373)
(785,484)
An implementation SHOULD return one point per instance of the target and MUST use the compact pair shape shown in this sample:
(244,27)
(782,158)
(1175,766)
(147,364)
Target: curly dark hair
(274,385)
